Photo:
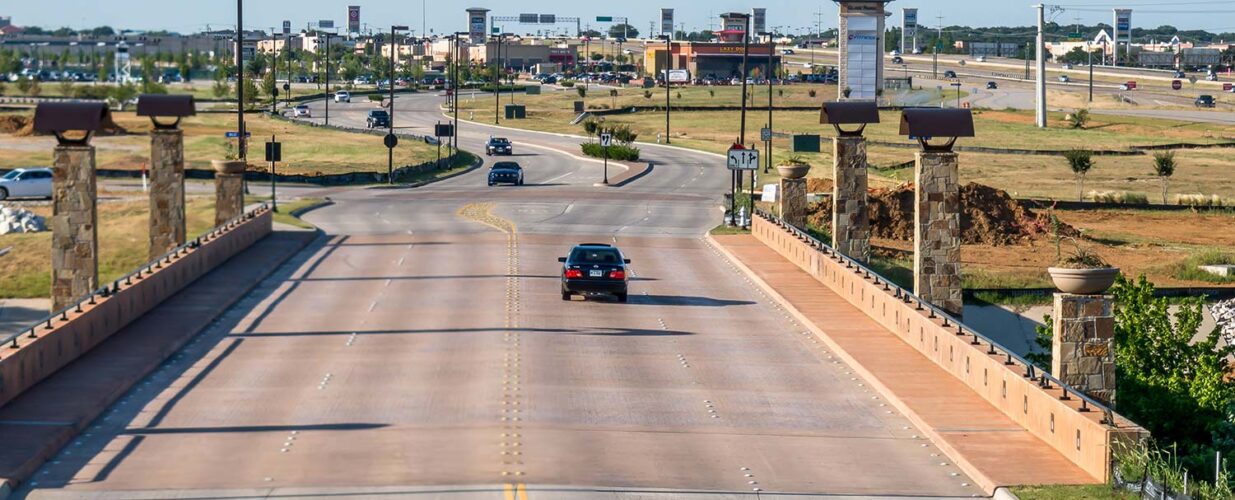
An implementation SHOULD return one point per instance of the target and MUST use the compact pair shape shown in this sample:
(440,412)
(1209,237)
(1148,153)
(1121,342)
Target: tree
(623,31)
(269,85)
(220,89)
(590,127)
(124,93)
(1080,161)
(24,84)
(1076,56)
(582,91)
(251,92)
(596,56)
(1164,168)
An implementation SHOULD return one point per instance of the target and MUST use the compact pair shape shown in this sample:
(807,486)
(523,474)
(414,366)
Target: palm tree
(1164,168)
(1080,161)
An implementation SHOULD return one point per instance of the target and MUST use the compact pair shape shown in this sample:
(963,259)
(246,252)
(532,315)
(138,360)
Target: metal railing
(1032,372)
(12,341)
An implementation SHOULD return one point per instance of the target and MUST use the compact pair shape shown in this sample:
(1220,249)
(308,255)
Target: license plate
(596,273)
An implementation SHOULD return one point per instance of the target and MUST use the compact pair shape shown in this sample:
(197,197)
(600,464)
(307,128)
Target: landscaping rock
(1224,316)
(16,220)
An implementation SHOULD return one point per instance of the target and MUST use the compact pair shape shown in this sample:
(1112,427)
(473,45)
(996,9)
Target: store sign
(353,18)
(666,21)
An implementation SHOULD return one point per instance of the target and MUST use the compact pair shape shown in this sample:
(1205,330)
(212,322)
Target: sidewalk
(989,446)
(38,423)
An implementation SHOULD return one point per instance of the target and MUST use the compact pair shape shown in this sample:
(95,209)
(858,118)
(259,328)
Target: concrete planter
(793,171)
(228,166)
(1083,281)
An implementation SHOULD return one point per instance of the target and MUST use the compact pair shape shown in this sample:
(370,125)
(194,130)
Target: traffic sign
(444,130)
(1226,87)
(765,134)
(1176,85)
(604,19)
(274,151)
(743,159)
(606,140)
(234,135)
(287,87)
(391,141)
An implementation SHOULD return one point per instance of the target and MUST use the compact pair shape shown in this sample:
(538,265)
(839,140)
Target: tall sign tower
(477,25)
(909,30)
(666,22)
(861,49)
(1122,33)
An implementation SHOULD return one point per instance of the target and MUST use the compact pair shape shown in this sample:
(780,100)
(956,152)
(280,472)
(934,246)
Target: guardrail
(13,341)
(1032,372)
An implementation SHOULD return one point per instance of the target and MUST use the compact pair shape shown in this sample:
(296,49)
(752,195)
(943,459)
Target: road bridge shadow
(685,301)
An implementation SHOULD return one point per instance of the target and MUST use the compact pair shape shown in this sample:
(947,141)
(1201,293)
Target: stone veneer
(74,226)
(850,219)
(937,231)
(167,225)
(792,201)
(228,191)
(1082,352)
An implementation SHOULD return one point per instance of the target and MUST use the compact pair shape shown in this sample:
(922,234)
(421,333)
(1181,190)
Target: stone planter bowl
(1083,281)
(793,171)
(228,166)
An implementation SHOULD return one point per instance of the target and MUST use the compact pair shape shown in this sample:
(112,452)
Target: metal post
(1040,89)
(274,200)
(497,80)
(606,148)
(745,75)
(240,79)
(668,68)
(1090,53)
(394,51)
(288,97)
(327,122)
(455,83)
(771,51)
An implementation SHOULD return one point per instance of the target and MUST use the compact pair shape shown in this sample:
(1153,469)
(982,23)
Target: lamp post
(770,73)
(394,53)
(240,142)
(497,78)
(668,68)
(455,85)
(327,71)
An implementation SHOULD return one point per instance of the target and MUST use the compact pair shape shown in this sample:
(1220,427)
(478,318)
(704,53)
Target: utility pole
(770,73)
(327,57)
(394,53)
(240,142)
(938,42)
(668,69)
(497,79)
(1040,88)
(1089,53)
(742,126)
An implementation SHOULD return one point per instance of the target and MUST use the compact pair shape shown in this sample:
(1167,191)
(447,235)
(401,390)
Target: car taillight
(617,275)
(574,273)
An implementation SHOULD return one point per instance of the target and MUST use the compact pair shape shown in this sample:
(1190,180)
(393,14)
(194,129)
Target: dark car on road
(499,146)
(594,268)
(506,172)
(377,118)
(992,85)
(949,74)
(898,60)
(1205,101)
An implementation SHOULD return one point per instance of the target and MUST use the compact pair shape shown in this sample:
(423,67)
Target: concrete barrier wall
(62,340)
(1078,435)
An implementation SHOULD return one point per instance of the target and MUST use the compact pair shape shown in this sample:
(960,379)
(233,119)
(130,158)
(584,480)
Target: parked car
(1064,78)
(26,183)
(991,85)
(1180,74)
(342,96)
(595,268)
(980,59)
(377,118)
(788,52)
(507,172)
(1211,77)
(301,111)
(1205,101)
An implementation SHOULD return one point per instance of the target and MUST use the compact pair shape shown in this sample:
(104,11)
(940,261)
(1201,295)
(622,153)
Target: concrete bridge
(417,346)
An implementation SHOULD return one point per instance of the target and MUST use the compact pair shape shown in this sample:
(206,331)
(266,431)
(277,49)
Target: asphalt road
(417,351)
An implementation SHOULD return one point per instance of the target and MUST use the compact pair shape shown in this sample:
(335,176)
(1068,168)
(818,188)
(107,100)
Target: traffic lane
(706,382)
(370,366)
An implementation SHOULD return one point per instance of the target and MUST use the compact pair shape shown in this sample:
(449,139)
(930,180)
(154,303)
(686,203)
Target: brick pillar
(1083,354)
(850,219)
(74,225)
(167,227)
(228,190)
(937,231)
(793,201)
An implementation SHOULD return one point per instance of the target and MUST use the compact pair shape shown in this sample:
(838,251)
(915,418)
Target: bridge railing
(31,333)
(1032,372)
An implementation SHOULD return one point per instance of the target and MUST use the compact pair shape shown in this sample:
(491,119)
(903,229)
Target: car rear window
(595,256)
(500,141)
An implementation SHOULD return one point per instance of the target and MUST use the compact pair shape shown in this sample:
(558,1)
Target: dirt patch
(12,123)
(989,216)
(23,126)
(816,185)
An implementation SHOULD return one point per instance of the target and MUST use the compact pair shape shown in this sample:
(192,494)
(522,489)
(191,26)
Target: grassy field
(1200,171)
(306,149)
(1071,492)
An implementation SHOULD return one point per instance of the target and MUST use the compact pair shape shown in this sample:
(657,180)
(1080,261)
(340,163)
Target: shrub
(1119,197)
(1200,200)
(92,91)
(582,91)
(567,83)
(647,94)
(616,152)
(623,134)
(1078,119)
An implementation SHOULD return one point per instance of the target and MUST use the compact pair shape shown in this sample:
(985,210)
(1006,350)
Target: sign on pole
(743,159)
(606,140)
(326,24)
(604,19)
(236,135)
(287,28)
(765,134)
(274,151)
(444,130)
(391,141)
(353,18)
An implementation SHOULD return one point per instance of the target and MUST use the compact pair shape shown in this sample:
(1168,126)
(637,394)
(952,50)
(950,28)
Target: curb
(476,163)
(980,479)
(1003,493)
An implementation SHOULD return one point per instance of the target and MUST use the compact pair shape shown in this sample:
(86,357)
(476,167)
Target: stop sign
(1176,85)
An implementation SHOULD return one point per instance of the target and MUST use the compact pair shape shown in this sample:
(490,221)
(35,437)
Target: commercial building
(710,59)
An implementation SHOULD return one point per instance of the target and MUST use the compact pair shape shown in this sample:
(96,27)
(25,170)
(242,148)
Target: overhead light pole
(394,53)
(240,142)
(1040,87)
(668,68)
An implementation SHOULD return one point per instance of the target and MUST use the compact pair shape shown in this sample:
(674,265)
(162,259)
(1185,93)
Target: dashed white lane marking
(372,306)
(560,177)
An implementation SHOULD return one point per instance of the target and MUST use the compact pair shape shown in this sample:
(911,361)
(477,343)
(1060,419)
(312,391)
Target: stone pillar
(792,201)
(74,225)
(850,217)
(167,226)
(937,231)
(1083,354)
(228,190)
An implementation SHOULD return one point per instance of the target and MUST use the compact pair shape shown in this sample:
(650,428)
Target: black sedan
(507,172)
(499,146)
(594,268)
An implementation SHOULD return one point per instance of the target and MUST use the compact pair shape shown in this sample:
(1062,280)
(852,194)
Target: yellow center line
(522,491)
(509,491)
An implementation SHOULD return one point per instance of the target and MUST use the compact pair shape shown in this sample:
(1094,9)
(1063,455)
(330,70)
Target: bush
(647,94)
(1078,119)
(1119,197)
(99,92)
(376,97)
(812,92)
(1189,269)
(582,91)
(616,152)
(567,83)
(1200,200)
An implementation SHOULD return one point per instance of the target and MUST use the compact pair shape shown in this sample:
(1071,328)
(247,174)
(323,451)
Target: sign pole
(750,214)
(606,165)
(274,200)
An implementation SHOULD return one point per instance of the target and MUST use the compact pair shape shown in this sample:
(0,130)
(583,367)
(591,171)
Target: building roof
(11,30)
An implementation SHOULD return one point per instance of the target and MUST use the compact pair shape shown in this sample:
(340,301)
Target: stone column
(937,231)
(850,217)
(167,226)
(792,201)
(1083,354)
(74,225)
(228,190)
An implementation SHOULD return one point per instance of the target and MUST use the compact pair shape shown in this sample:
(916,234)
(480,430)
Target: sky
(188,16)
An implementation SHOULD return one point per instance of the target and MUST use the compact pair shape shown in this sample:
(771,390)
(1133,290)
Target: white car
(302,111)
(343,96)
(1064,78)
(26,183)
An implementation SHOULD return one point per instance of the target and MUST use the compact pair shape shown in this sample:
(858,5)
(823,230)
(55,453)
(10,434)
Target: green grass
(289,213)
(462,161)
(1188,269)
(1071,492)
(725,229)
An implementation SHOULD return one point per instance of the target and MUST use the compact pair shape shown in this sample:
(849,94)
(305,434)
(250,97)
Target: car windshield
(595,256)
(499,141)
(11,175)
(505,165)
(377,114)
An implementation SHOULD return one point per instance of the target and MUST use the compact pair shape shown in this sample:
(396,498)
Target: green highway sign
(604,19)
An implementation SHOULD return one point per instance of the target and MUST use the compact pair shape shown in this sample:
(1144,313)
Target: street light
(391,141)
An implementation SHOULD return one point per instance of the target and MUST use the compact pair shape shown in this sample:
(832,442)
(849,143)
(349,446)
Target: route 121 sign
(743,159)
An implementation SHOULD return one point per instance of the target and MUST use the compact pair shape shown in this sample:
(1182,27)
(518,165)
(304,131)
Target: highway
(420,347)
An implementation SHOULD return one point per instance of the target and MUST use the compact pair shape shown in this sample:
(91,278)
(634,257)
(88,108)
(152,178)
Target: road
(416,350)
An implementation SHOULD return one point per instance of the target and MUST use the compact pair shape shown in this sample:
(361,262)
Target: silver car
(26,183)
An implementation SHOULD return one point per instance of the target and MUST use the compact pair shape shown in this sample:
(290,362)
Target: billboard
(862,56)
(1156,59)
(666,22)
(909,29)
(679,76)
(353,19)
(1196,57)
(477,24)
(287,28)
(327,24)
(1122,34)
(759,20)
